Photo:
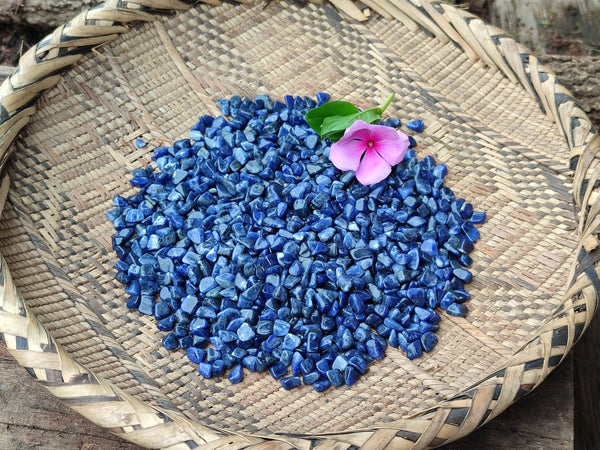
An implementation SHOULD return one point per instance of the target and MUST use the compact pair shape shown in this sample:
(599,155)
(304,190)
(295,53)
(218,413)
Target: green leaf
(333,125)
(336,136)
(316,116)
(331,119)
(372,115)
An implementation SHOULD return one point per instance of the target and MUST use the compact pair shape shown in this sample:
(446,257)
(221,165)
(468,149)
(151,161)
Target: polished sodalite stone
(415,125)
(196,355)
(374,348)
(457,309)
(291,382)
(205,369)
(278,370)
(351,375)
(245,332)
(414,350)
(335,377)
(264,252)
(236,374)
(340,363)
(170,341)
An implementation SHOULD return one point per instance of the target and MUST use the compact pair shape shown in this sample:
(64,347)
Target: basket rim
(39,70)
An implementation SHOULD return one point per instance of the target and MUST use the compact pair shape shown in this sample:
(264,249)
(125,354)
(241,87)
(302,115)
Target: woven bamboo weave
(516,143)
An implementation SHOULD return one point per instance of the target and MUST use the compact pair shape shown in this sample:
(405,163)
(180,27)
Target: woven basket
(516,144)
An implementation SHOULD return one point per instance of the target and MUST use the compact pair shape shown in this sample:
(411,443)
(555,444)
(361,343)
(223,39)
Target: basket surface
(504,153)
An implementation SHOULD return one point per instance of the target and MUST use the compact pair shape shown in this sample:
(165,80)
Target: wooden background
(563,413)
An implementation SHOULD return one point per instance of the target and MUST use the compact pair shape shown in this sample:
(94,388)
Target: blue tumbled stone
(428,341)
(477,217)
(417,296)
(415,125)
(206,284)
(291,342)
(457,309)
(335,377)
(463,274)
(312,342)
(470,231)
(205,369)
(340,363)
(281,328)
(322,98)
(166,324)
(245,332)
(423,313)
(351,375)
(236,374)
(290,382)
(146,305)
(374,348)
(414,349)
(161,310)
(429,247)
(170,341)
(311,377)
(278,370)
(196,355)
(297,360)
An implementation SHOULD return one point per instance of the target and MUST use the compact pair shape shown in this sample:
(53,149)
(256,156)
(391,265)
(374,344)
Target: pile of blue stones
(253,251)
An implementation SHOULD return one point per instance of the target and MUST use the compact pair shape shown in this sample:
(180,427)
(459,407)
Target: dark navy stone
(170,341)
(457,309)
(278,370)
(428,341)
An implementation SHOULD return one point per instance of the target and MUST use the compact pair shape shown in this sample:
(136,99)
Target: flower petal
(346,153)
(373,168)
(390,144)
(346,156)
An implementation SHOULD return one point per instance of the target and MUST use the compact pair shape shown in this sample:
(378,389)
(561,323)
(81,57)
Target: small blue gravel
(140,143)
(254,253)
(415,125)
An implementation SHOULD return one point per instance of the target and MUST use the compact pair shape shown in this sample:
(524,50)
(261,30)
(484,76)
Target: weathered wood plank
(587,388)
(5,71)
(31,417)
(545,25)
(541,420)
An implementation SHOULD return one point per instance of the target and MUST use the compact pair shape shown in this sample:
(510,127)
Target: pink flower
(369,150)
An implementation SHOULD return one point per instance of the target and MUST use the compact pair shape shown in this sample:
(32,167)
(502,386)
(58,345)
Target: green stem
(387,102)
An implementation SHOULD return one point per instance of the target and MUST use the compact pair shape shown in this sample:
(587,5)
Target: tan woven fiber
(516,144)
